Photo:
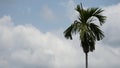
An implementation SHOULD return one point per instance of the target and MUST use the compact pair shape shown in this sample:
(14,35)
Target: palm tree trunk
(86,54)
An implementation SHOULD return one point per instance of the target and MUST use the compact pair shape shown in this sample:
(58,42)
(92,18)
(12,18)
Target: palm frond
(96,31)
(101,18)
(81,12)
(96,12)
(67,32)
(74,28)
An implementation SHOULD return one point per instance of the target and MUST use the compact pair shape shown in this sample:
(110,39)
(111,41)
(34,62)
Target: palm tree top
(86,15)
(89,32)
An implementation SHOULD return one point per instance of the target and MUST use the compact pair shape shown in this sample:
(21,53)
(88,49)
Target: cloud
(47,13)
(5,20)
(111,26)
(25,46)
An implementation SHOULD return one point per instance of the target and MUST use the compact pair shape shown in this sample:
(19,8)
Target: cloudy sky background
(31,35)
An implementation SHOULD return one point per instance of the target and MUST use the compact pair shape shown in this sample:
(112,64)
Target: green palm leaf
(89,32)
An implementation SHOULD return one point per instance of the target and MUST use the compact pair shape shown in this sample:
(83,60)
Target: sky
(31,35)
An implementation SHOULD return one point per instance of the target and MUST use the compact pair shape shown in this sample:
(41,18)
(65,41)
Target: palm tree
(88,31)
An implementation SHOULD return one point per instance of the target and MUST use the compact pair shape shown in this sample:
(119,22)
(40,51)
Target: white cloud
(47,13)
(24,46)
(111,26)
(5,20)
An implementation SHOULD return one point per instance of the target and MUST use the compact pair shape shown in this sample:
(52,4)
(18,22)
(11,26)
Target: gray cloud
(111,27)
